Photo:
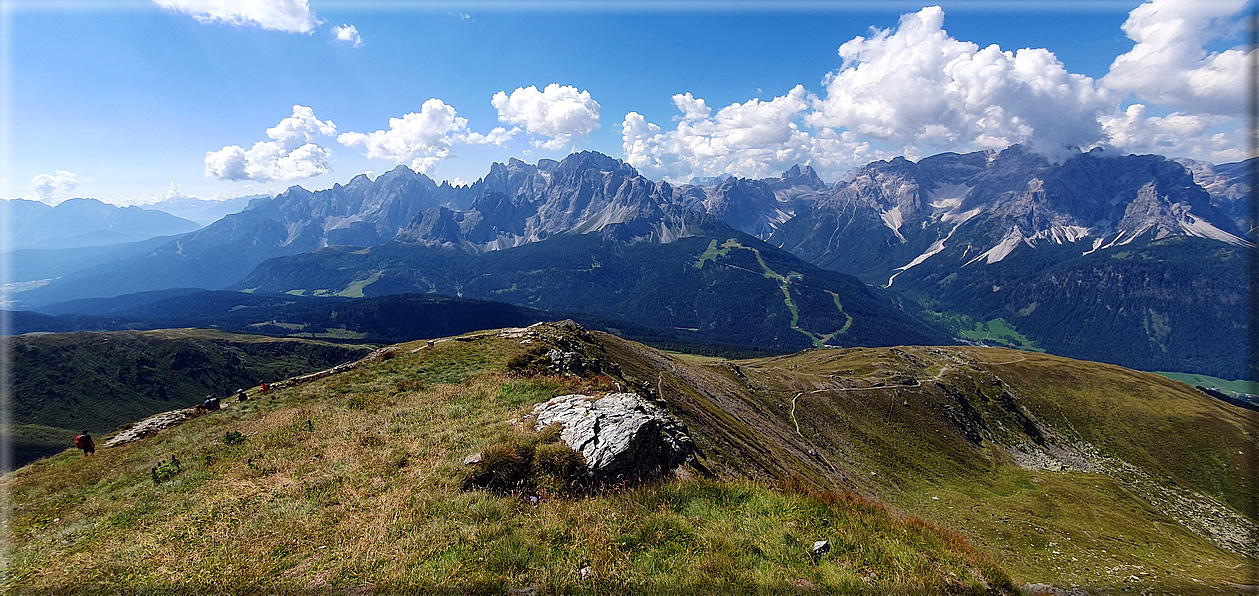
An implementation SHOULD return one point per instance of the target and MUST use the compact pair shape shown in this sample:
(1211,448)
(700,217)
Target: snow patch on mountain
(948,196)
(1058,234)
(946,203)
(1062,234)
(893,220)
(1011,241)
(1196,226)
(1097,243)
(931,251)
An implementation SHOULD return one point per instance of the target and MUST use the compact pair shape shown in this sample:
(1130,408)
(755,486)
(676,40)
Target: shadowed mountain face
(363,212)
(716,285)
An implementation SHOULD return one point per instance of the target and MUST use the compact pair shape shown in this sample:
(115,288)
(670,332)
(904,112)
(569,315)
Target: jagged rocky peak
(805,176)
(593,160)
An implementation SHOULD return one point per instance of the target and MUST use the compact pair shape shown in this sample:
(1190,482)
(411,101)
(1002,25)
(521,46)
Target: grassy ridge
(68,382)
(965,437)
(352,482)
(1067,472)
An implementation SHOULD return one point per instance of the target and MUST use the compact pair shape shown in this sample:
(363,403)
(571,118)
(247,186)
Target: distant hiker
(241,395)
(263,387)
(211,402)
(84,442)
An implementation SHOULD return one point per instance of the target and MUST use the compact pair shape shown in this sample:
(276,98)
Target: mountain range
(85,222)
(1136,260)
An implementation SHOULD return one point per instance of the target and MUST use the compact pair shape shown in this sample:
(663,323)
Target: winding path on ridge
(917,383)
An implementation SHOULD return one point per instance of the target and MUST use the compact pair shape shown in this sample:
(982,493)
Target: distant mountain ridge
(79,223)
(204,211)
(970,237)
(893,216)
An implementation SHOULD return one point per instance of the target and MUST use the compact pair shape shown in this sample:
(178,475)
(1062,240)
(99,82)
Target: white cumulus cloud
(424,138)
(918,87)
(559,112)
(51,188)
(348,34)
(293,16)
(1176,134)
(753,139)
(292,154)
(906,90)
(1169,64)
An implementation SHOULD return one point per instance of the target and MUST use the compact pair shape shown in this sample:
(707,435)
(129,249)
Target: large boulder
(622,436)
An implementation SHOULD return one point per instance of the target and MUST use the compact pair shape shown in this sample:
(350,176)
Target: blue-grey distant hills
(1137,260)
(85,222)
(363,212)
(204,211)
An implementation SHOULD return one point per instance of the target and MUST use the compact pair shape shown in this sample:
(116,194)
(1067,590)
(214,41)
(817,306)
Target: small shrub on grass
(232,437)
(533,362)
(529,463)
(164,471)
(503,467)
(408,385)
(557,469)
(603,383)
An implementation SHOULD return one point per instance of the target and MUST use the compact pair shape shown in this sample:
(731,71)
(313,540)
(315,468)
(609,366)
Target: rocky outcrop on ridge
(621,435)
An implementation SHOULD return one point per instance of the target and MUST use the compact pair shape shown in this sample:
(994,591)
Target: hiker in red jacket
(84,442)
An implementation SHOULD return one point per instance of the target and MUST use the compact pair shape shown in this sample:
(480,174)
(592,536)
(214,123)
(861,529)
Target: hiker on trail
(241,395)
(263,387)
(84,442)
(211,402)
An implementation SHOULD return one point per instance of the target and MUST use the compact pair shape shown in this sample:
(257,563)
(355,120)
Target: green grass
(712,253)
(96,381)
(999,332)
(1073,528)
(934,422)
(354,481)
(367,465)
(332,333)
(290,326)
(1235,387)
(355,289)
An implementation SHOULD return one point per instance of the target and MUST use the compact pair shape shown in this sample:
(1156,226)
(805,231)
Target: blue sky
(133,101)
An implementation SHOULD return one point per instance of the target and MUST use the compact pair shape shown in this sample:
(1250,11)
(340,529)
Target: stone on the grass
(622,436)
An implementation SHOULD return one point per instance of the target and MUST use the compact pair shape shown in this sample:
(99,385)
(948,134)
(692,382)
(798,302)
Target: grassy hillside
(1068,472)
(352,483)
(64,383)
(923,467)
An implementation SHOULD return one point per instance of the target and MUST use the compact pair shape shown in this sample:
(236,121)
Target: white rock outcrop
(622,436)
